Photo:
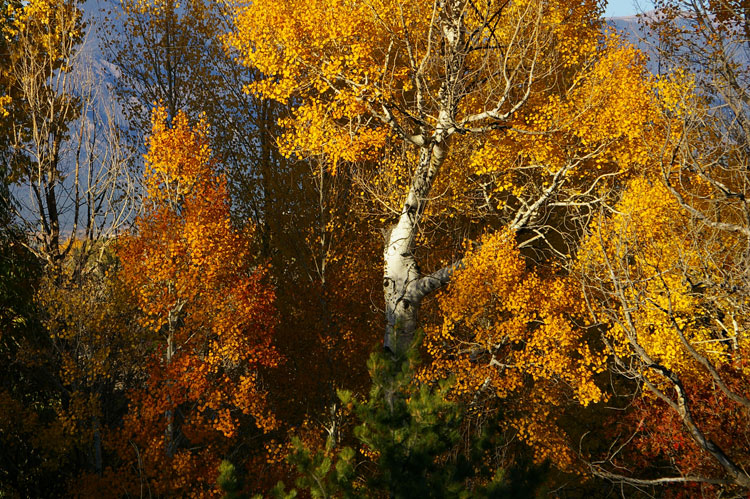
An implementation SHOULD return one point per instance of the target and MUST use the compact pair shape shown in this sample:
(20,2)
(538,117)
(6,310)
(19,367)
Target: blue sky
(616,8)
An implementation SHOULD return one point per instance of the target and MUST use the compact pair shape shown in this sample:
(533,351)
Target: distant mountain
(92,78)
(633,29)
(94,15)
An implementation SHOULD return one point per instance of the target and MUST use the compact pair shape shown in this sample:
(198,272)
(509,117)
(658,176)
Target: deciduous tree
(665,269)
(209,313)
(457,118)
(61,145)
(436,80)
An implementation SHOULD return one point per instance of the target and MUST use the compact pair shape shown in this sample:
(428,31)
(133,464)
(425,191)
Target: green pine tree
(229,482)
(412,433)
(413,429)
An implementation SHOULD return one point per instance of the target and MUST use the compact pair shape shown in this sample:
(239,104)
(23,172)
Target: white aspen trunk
(401,301)
(403,285)
(170,430)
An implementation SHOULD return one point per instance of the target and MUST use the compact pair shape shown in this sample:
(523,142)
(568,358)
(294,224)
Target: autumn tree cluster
(213,213)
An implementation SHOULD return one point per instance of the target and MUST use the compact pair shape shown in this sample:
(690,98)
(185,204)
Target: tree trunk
(170,432)
(401,301)
(403,285)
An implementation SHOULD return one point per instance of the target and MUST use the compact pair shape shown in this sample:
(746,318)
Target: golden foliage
(48,27)
(518,335)
(654,258)
(342,60)
(210,314)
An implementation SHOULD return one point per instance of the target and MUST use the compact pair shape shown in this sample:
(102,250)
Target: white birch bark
(403,285)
